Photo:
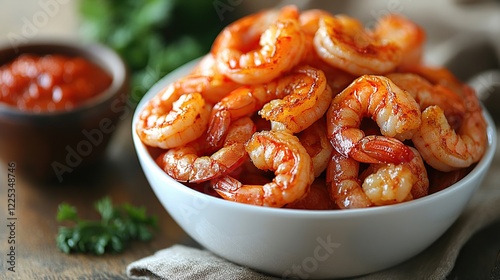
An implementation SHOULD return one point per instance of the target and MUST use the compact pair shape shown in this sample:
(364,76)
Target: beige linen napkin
(436,262)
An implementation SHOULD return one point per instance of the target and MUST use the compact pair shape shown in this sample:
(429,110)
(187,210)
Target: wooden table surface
(120,177)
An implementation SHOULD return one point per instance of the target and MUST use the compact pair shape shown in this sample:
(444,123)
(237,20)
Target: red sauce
(51,82)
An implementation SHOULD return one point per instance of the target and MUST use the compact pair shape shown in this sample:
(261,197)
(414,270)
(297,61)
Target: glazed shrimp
(394,110)
(186,165)
(394,183)
(446,149)
(337,79)
(299,99)
(390,184)
(440,76)
(427,94)
(343,42)
(407,35)
(344,185)
(315,141)
(379,184)
(282,153)
(206,79)
(172,120)
(259,48)
(308,102)
(309,23)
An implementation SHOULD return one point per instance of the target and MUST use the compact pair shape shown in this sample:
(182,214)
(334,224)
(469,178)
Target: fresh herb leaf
(118,225)
(66,212)
(105,208)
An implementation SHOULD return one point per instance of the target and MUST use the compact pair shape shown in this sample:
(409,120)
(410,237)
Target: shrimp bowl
(296,174)
(310,243)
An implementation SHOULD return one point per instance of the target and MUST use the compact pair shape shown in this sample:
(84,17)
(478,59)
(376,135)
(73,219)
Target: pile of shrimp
(311,110)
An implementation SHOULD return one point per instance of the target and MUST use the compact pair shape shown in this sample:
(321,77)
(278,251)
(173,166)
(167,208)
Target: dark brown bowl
(53,145)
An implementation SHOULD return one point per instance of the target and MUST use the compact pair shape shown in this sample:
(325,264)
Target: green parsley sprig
(118,225)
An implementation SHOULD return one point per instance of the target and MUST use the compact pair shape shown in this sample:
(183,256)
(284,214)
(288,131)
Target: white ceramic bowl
(304,243)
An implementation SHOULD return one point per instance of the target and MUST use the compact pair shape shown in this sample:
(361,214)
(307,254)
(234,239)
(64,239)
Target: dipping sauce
(50,83)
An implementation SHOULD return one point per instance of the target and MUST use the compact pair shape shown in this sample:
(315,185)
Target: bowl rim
(145,158)
(95,52)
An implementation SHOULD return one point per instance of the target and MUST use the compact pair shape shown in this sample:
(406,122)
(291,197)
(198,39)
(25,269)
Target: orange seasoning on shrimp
(50,83)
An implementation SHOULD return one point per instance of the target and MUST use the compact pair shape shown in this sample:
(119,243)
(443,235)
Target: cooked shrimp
(205,66)
(164,125)
(308,102)
(309,23)
(394,110)
(394,183)
(345,186)
(407,35)
(379,184)
(427,94)
(417,166)
(440,76)
(170,120)
(447,149)
(343,42)
(206,79)
(390,184)
(185,164)
(260,47)
(337,79)
(305,99)
(315,141)
(282,153)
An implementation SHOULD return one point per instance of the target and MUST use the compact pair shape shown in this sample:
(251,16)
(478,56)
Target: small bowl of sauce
(51,82)
(60,103)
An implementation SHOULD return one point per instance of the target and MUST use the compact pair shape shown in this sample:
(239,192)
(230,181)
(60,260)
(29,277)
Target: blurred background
(157,36)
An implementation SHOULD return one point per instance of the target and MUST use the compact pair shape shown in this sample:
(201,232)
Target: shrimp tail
(381,149)
(231,189)
(196,169)
(226,187)
(217,128)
